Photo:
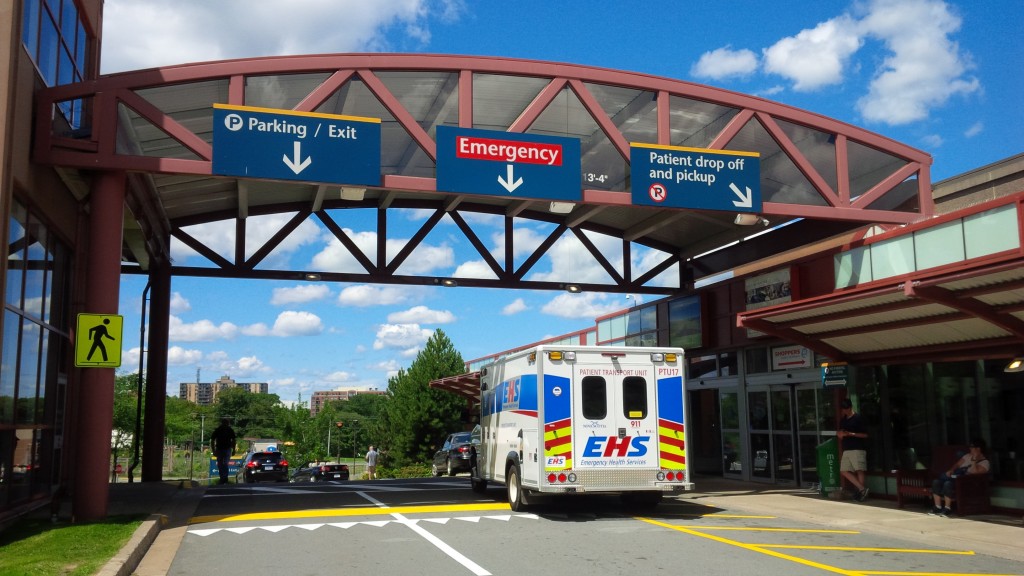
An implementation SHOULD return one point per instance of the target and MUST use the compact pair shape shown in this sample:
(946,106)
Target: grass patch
(39,548)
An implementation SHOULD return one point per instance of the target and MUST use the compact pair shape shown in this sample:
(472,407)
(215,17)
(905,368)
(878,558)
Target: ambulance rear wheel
(514,487)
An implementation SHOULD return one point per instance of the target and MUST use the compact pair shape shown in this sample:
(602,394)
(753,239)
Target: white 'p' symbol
(233,122)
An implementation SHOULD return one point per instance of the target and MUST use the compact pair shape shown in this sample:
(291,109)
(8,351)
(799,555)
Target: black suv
(261,466)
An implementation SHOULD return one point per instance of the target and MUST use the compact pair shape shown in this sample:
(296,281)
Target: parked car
(321,473)
(262,466)
(454,455)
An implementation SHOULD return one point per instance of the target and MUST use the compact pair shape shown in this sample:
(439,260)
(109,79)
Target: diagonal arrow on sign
(510,183)
(297,164)
(745,200)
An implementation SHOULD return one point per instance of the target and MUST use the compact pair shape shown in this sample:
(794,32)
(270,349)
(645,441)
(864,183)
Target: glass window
(892,257)
(634,397)
(728,364)
(702,366)
(939,245)
(9,367)
(991,231)
(684,321)
(595,398)
(54,37)
(730,410)
(757,360)
(853,267)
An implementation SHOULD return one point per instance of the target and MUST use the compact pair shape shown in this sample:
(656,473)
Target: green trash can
(828,467)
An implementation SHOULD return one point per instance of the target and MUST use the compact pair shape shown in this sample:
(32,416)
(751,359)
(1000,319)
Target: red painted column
(96,396)
(156,372)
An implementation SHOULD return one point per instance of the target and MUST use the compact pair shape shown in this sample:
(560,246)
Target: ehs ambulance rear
(583,419)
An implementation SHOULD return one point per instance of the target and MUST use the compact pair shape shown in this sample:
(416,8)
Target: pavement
(170,504)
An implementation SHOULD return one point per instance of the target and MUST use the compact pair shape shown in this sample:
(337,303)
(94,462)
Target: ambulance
(559,420)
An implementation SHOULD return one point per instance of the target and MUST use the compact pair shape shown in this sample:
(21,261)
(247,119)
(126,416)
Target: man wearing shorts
(853,436)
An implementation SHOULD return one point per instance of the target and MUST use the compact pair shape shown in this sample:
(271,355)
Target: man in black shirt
(853,436)
(223,443)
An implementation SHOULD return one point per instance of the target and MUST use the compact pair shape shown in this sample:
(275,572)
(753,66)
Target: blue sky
(943,77)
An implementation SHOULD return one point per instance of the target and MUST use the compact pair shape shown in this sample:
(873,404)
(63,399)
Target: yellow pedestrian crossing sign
(98,340)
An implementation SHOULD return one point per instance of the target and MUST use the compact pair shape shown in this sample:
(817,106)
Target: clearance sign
(508,164)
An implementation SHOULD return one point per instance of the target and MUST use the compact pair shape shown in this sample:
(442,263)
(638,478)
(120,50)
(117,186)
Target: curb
(130,555)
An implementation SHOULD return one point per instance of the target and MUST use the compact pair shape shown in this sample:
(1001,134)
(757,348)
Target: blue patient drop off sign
(678,177)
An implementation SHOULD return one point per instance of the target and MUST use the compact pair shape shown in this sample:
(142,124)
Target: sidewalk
(172,503)
(992,534)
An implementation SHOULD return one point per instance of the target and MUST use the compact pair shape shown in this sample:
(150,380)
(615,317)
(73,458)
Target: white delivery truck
(583,419)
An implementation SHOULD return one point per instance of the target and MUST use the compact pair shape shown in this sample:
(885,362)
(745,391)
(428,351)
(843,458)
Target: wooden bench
(971,494)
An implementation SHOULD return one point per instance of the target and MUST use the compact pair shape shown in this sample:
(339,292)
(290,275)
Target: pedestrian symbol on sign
(98,341)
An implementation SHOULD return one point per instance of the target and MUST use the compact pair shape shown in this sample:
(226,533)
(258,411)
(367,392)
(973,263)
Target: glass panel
(68,21)
(595,398)
(992,231)
(853,267)
(782,420)
(868,167)
(30,34)
(282,91)
(760,448)
(604,168)
(431,97)
(808,459)
(16,244)
(782,457)
(939,245)
(702,366)
(695,123)
(45,371)
(732,452)
(1003,404)
(684,322)
(9,368)
(818,147)
(892,257)
(498,100)
(634,112)
(757,405)
(727,363)
(49,42)
(28,374)
(807,410)
(35,269)
(756,360)
(634,397)
(781,180)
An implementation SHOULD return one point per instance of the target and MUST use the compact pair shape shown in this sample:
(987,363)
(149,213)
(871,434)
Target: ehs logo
(606,447)
(556,461)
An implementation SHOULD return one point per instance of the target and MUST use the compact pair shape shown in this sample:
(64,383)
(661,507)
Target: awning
(974,312)
(465,385)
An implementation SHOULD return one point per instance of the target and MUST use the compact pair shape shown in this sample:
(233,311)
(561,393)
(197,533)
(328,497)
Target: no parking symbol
(657,192)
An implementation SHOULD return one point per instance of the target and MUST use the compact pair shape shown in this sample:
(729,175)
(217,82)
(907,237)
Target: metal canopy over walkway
(821,176)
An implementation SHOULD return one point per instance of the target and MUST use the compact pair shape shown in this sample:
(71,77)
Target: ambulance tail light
(562,478)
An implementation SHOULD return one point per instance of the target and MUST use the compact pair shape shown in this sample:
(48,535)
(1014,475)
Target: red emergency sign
(475,148)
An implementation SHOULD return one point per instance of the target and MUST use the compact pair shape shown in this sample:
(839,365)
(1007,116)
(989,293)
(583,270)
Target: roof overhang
(970,310)
(465,385)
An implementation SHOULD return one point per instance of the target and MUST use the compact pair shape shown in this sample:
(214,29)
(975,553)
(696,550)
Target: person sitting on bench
(974,462)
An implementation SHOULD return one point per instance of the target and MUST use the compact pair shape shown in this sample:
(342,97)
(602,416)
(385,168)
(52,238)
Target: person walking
(222,441)
(371,463)
(853,436)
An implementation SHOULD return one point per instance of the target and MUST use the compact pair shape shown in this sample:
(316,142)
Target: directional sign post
(508,164)
(679,177)
(98,340)
(253,142)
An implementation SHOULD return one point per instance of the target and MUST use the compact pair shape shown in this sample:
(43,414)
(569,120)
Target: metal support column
(156,372)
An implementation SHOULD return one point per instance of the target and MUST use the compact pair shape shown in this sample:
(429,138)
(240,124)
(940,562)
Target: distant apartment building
(205,393)
(322,397)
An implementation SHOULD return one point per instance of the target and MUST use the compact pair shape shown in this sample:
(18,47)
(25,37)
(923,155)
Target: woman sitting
(943,487)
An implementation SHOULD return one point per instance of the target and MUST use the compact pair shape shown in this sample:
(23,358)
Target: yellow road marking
(860,549)
(737,516)
(361,511)
(753,548)
(750,529)
(930,573)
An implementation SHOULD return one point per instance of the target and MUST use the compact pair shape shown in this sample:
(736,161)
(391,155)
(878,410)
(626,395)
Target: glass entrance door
(815,416)
(770,415)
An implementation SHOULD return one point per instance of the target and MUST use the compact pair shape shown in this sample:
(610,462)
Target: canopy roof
(822,175)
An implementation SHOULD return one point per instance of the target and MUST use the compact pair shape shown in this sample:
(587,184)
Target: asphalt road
(439,526)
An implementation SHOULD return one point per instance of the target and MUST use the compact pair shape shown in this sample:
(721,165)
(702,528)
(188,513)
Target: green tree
(252,415)
(126,406)
(416,418)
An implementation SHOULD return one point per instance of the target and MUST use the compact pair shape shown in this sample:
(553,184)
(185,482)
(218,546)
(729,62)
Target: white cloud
(178,31)
(421,315)
(220,237)
(299,294)
(816,57)
(365,295)
(974,130)
(474,269)
(178,356)
(335,257)
(932,141)
(515,307)
(179,303)
(340,377)
(926,67)
(294,323)
(401,337)
(389,367)
(725,63)
(585,305)
(201,331)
